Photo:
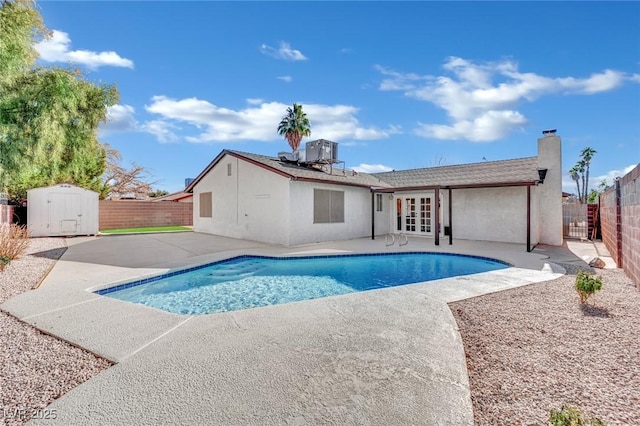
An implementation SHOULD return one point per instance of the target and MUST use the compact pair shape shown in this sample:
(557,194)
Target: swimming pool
(252,281)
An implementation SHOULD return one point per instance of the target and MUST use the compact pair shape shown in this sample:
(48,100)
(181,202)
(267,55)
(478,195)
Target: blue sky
(397,84)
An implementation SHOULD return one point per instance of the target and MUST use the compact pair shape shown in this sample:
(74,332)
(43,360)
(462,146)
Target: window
(328,206)
(206,204)
(228,169)
(378,202)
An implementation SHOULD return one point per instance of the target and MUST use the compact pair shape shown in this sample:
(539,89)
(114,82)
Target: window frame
(205,204)
(328,206)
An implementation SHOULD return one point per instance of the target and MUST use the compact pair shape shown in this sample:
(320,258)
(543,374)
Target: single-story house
(273,200)
(177,197)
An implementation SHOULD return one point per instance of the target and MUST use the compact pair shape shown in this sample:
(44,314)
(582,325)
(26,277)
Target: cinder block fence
(620,223)
(136,214)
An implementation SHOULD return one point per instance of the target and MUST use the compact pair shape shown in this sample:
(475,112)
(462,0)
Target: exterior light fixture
(542,173)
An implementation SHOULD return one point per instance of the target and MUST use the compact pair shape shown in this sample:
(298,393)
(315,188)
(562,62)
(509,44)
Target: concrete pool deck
(390,356)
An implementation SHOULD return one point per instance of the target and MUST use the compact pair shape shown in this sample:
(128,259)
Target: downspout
(528,218)
(450,218)
(373,223)
(437,215)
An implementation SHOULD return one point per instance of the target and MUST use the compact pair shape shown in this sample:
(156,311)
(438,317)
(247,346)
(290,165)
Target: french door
(414,215)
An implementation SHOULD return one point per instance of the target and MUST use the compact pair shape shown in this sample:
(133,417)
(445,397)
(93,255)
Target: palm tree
(587,154)
(294,126)
(576,177)
(580,165)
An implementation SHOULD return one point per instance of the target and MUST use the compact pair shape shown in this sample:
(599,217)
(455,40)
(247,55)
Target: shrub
(570,416)
(586,285)
(14,240)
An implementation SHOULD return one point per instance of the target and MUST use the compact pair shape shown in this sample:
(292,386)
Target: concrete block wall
(630,218)
(135,214)
(620,224)
(609,220)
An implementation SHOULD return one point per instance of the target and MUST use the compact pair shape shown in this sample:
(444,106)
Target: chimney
(549,191)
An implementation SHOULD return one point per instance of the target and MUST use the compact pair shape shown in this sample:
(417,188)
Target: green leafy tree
(595,193)
(158,193)
(294,126)
(49,116)
(20,27)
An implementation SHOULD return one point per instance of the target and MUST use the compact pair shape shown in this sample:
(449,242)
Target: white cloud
(259,121)
(352,143)
(57,49)
(284,52)
(569,185)
(285,78)
(120,118)
(255,101)
(490,126)
(610,176)
(372,168)
(163,130)
(480,98)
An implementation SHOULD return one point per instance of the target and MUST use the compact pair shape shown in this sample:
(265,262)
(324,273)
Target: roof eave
(332,182)
(460,186)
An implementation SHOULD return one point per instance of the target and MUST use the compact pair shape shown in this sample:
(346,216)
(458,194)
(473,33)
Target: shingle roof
(489,172)
(521,170)
(173,197)
(338,175)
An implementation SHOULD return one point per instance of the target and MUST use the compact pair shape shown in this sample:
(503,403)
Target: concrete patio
(391,356)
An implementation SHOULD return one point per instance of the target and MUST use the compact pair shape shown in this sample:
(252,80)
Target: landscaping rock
(597,263)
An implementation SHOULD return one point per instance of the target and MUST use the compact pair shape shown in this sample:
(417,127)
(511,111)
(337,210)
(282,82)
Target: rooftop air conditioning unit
(322,151)
(292,157)
(286,156)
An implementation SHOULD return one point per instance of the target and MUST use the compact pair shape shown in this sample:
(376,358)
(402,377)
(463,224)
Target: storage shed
(62,210)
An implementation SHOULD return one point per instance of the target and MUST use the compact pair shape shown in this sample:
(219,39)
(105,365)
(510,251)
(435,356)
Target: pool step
(240,269)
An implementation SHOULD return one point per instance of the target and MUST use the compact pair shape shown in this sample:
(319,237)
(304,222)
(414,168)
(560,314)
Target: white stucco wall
(491,214)
(382,219)
(250,204)
(357,214)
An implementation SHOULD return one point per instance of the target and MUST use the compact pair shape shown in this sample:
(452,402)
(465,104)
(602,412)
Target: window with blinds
(328,206)
(206,204)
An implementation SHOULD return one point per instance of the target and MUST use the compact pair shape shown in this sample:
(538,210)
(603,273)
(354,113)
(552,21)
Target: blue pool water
(251,281)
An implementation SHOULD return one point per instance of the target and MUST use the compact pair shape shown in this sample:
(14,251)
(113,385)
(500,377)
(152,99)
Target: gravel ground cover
(36,368)
(535,348)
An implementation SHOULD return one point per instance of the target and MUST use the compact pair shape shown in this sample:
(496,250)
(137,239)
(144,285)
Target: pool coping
(105,289)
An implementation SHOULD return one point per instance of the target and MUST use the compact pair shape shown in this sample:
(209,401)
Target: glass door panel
(425,215)
(410,215)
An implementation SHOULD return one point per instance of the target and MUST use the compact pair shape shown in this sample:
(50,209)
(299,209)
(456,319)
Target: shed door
(65,213)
